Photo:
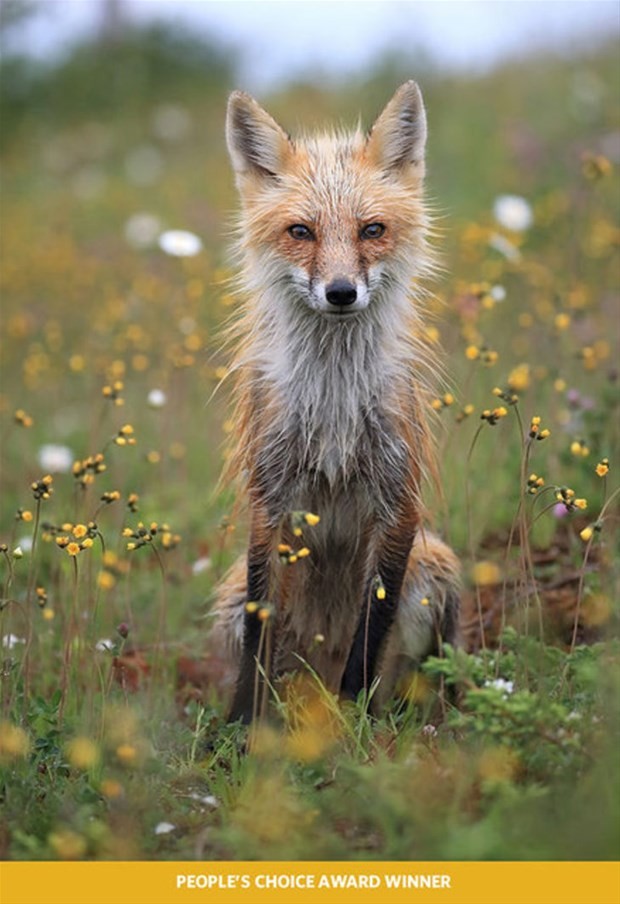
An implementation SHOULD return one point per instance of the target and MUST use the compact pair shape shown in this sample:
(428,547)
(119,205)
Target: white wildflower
(507,687)
(513,212)
(180,243)
(12,640)
(157,398)
(429,731)
(201,564)
(142,230)
(504,246)
(163,828)
(55,459)
(207,799)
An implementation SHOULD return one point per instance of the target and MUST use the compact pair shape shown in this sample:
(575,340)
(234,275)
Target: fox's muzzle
(341,293)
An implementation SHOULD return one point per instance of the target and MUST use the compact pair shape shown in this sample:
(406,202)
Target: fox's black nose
(341,292)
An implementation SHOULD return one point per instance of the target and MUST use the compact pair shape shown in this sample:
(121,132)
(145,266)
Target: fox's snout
(337,294)
(341,293)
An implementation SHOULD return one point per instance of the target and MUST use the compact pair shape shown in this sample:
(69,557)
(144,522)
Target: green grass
(94,759)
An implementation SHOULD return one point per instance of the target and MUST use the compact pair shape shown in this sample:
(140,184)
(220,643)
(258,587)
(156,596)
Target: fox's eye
(372,231)
(300,232)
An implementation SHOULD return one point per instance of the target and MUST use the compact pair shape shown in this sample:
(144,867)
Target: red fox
(331,414)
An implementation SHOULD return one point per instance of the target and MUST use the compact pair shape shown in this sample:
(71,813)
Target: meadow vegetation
(114,530)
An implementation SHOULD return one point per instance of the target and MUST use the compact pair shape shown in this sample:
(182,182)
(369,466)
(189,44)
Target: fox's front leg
(377,615)
(254,655)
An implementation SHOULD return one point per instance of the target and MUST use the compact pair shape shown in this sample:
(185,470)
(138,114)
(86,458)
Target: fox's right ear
(256,143)
(398,137)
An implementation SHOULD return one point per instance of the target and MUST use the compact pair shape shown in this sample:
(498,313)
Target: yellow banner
(298,883)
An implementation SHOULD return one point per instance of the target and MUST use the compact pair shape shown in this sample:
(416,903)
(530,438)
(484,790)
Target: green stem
(29,586)
(470,528)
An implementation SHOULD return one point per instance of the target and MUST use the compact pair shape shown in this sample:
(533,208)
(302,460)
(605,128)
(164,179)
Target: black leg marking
(250,683)
(376,620)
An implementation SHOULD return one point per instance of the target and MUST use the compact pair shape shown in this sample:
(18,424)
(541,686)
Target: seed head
(42,489)
(24,420)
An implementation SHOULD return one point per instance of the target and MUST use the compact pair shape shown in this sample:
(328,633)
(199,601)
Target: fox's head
(334,222)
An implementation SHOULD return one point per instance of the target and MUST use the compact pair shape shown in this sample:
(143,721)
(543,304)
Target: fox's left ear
(398,136)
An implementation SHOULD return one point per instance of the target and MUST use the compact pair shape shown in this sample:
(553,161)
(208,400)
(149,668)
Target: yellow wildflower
(82,753)
(489,357)
(519,378)
(67,844)
(14,742)
(486,573)
(602,467)
(111,788)
(579,448)
(126,753)
(106,580)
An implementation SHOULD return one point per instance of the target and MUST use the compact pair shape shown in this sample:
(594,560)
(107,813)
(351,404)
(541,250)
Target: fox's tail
(428,614)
